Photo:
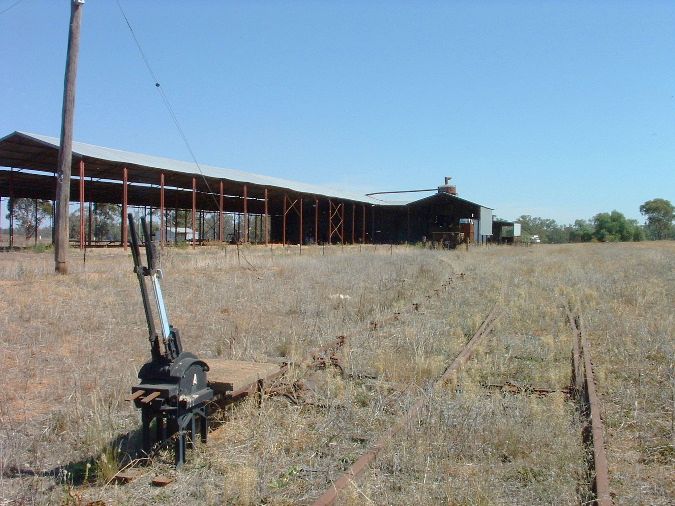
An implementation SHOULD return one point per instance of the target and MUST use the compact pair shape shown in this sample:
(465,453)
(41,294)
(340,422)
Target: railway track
(582,391)
(329,355)
(583,385)
(323,356)
(357,468)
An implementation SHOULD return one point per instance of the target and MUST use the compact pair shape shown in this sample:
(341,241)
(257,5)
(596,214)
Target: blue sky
(549,108)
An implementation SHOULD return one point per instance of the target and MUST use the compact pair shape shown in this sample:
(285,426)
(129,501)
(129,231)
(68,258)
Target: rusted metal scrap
(328,355)
(510,387)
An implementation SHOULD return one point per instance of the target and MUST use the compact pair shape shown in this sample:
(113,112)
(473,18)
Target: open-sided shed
(267,209)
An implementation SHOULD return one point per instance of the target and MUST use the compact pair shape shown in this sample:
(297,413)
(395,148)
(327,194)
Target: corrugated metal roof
(447,196)
(157,162)
(152,162)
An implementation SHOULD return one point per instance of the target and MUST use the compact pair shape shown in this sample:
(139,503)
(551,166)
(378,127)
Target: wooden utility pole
(66,145)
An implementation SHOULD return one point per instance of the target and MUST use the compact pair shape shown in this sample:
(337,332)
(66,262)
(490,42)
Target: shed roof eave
(188,168)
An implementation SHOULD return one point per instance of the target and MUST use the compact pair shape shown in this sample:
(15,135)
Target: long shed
(267,209)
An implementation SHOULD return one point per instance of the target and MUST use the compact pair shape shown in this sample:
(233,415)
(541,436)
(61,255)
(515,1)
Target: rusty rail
(584,386)
(357,468)
(320,356)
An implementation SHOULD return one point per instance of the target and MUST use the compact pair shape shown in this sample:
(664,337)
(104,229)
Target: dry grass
(72,347)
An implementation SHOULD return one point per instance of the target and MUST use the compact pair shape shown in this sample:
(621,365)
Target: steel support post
(283,230)
(363,224)
(300,234)
(267,217)
(162,236)
(0,221)
(330,222)
(353,220)
(221,235)
(194,208)
(125,206)
(10,207)
(246,234)
(316,220)
(81,204)
(342,223)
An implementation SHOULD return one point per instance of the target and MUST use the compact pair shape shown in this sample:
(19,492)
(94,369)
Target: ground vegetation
(72,347)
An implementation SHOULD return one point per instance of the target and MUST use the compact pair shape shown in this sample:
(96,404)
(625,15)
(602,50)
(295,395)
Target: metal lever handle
(155,276)
(140,273)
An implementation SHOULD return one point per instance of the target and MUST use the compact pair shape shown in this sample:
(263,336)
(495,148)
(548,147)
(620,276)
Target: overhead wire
(166,101)
(11,6)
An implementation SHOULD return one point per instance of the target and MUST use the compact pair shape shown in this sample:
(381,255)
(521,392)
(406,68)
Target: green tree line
(606,227)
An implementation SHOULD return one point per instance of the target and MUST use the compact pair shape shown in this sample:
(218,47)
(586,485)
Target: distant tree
(582,231)
(558,234)
(613,226)
(74,226)
(107,221)
(23,211)
(183,218)
(638,232)
(660,214)
(547,229)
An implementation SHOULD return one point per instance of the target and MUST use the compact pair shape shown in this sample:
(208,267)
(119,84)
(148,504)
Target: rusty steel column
(300,242)
(342,223)
(162,236)
(10,208)
(194,207)
(353,220)
(0,221)
(246,234)
(283,229)
(316,221)
(125,199)
(329,221)
(267,230)
(363,225)
(220,214)
(81,204)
